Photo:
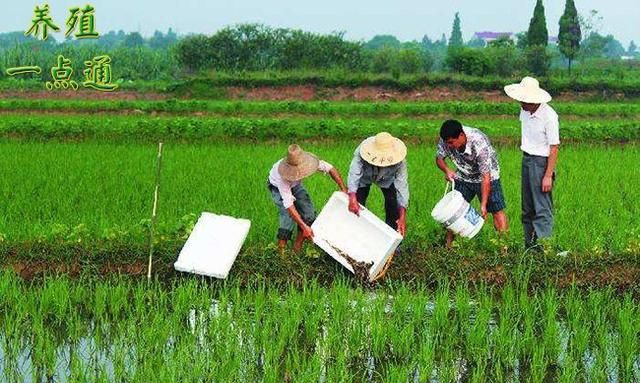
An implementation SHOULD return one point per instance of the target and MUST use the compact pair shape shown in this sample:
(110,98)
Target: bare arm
(485,192)
(335,175)
(306,230)
(449,174)
(547,180)
(402,221)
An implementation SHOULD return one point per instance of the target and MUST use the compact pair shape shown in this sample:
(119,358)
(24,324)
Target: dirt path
(305,93)
(118,95)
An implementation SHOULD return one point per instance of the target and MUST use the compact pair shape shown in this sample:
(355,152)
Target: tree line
(257,47)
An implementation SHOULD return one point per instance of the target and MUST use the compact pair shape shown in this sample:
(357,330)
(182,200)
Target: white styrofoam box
(213,245)
(365,238)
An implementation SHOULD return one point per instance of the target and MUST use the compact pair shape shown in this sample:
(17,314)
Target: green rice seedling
(462,312)
(599,370)
(425,358)
(379,331)
(315,107)
(539,365)
(477,344)
(401,328)
(527,330)
(479,373)
(211,129)
(312,333)
(628,333)
(551,327)
(440,317)
(506,335)
(43,353)
(114,220)
(398,373)
(569,370)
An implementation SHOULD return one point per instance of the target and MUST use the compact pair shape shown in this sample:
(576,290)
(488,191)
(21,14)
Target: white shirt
(284,186)
(540,130)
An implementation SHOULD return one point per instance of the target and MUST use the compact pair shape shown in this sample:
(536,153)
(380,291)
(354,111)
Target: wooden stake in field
(155,208)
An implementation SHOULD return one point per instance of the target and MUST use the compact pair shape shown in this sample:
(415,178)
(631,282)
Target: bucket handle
(446,187)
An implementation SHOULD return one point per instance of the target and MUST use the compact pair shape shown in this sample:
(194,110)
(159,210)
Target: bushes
(256,47)
(501,60)
(469,61)
(198,129)
(400,61)
(538,60)
(506,60)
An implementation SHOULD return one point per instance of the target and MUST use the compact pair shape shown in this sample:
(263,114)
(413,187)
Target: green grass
(619,82)
(124,330)
(126,128)
(92,190)
(328,108)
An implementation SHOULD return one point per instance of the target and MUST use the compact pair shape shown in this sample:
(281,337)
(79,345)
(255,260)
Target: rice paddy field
(77,183)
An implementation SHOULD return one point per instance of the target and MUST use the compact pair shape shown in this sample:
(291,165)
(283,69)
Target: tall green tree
(570,34)
(380,41)
(633,49)
(538,34)
(456,33)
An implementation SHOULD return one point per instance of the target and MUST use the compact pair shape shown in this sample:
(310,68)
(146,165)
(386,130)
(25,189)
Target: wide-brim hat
(298,164)
(383,150)
(528,91)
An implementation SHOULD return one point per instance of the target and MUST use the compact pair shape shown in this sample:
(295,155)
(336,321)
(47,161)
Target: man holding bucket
(477,170)
(381,160)
(291,198)
(539,145)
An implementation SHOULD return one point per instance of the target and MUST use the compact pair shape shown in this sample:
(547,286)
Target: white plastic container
(457,215)
(364,238)
(213,245)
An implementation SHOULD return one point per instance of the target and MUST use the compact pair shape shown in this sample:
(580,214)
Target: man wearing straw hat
(291,198)
(381,160)
(477,170)
(540,140)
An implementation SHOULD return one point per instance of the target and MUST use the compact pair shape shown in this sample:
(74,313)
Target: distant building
(488,37)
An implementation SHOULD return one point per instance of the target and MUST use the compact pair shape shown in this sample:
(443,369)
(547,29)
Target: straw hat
(528,91)
(383,150)
(298,164)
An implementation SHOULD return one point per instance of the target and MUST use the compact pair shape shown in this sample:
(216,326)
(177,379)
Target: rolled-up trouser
(537,207)
(390,203)
(303,205)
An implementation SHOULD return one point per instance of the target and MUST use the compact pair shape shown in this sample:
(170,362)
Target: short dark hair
(450,129)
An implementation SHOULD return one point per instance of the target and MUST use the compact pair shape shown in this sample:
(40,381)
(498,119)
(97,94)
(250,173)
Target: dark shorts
(302,203)
(469,190)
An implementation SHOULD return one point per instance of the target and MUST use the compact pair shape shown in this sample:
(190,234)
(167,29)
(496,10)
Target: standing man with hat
(381,160)
(291,198)
(540,141)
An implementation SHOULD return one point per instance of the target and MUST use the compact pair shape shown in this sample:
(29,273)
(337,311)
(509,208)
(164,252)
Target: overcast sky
(360,19)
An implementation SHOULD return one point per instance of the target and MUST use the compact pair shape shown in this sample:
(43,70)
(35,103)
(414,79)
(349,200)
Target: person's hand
(402,226)
(483,211)
(354,206)
(547,184)
(307,232)
(450,175)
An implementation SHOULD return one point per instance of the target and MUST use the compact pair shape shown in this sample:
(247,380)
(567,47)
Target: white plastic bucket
(456,214)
